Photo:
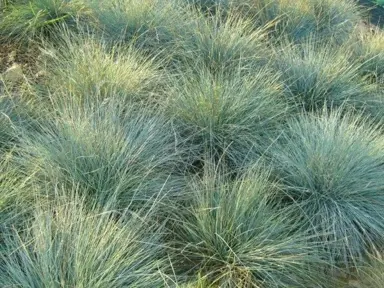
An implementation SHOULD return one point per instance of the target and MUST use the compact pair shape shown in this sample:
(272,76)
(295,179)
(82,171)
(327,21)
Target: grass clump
(149,116)
(15,115)
(327,19)
(223,44)
(229,116)
(112,152)
(331,166)
(148,24)
(89,71)
(26,20)
(65,245)
(316,74)
(369,50)
(234,236)
(16,194)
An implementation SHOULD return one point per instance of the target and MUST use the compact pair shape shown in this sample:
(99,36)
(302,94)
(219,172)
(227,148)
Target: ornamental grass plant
(111,152)
(24,21)
(369,50)
(234,236)
(65,245)
(15,115)
(327,19)
(227,116)
(314,74)
(89,70)
(222,44)
(330,164)
(150,24)
(190,143)
(17,194)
